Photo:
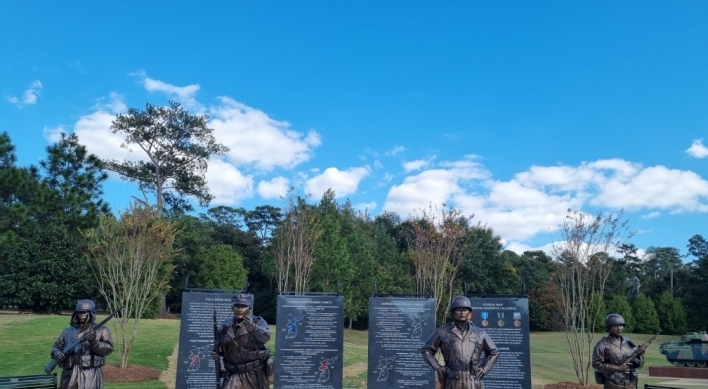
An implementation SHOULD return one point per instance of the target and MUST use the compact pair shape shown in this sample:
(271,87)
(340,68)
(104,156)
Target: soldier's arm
(260,330)
(102,342)
(599,362)
(430,348)
(57,351)
(490,351)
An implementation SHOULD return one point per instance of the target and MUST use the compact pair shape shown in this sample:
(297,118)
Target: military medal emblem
(501,319)
(485,316)
(517,319)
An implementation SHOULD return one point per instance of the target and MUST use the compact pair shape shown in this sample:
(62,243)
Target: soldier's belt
(244,367)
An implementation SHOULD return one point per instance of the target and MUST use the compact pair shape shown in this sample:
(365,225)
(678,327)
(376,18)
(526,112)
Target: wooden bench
(647,386)
(42,381)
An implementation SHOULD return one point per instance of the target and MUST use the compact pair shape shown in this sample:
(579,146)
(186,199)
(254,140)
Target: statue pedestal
(678,372)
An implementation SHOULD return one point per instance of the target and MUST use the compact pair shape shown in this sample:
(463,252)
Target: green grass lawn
(26,341)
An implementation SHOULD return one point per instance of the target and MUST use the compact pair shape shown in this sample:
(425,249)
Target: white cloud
(274,188)
(226,183)
(535,201)
(256,139)
(29,96)
(697,149)
(184,95)
(94,131)
(520,248)
(342,182)
(53,134)
(655,187)
(368,207)
(434,185)
(415,165)
(651,215)
(395,150)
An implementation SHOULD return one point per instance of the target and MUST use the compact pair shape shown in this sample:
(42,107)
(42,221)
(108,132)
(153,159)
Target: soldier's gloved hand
(215,355)
(90,337)
(479,374)
(248,324)
(641,351)
(442,370)
(59,356)
(624,368)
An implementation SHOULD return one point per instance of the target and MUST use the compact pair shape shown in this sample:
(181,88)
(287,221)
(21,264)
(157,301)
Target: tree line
(55,230)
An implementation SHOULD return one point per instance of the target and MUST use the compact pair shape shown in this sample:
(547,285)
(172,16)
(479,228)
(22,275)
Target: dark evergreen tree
(74,178)
(672,316)
(46,271)
(645,317)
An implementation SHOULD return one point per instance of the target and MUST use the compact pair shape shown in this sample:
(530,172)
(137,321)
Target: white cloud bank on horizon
(535,201)
(697,149)
(29,96)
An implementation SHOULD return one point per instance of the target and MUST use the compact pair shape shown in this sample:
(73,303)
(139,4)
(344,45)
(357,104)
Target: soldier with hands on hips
(462,345)
(611,354)
(242,340)
(82,368)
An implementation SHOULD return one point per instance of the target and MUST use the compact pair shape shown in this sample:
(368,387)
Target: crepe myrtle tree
(584,257)
(177,147)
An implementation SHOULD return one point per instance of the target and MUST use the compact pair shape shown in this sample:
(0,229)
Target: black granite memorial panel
(506,320)
(309,342)
(398,327)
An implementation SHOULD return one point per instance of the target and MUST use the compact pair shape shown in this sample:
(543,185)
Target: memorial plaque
(195,366)
(398,328)
(309,342)
(506,321)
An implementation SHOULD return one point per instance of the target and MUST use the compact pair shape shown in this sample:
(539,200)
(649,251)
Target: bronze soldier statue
(82,366)
(461,344)
(616,358)
(241,343)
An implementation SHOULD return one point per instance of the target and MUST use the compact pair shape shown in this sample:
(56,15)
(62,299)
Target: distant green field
(26,340)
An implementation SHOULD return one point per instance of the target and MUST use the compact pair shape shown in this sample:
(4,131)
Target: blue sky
(513,111)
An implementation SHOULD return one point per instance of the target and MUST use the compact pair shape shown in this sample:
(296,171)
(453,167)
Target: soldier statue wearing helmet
(461,344)
(242,340)
(612,369)
(82,368)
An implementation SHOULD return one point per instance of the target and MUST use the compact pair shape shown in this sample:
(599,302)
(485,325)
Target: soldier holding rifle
(241,341)
(616,358)
(82,364)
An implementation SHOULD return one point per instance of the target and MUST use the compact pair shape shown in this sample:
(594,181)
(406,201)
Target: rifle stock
(70,347)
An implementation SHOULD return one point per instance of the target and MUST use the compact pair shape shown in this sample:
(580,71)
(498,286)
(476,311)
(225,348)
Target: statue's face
(461,314)
(616,329)
(82,316)
(240,311)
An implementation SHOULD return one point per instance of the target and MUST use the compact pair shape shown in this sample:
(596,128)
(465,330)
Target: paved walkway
(684,381)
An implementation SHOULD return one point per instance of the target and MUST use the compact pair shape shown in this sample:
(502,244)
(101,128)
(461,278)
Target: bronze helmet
(614,319)
(460,302)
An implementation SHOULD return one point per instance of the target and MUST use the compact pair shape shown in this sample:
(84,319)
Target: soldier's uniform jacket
(82,369)
(609,352)
(245,356)
(462,354)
